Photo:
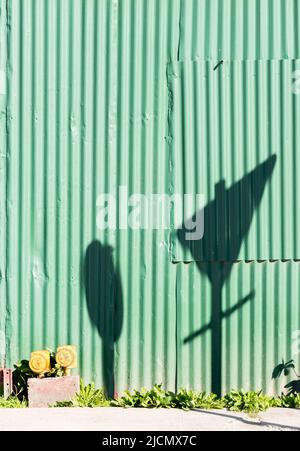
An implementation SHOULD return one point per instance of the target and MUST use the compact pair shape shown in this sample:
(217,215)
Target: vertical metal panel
(148,36)
(252,39)
(86,113)
(86,110)
(3,162)
(260,325)
(235,140)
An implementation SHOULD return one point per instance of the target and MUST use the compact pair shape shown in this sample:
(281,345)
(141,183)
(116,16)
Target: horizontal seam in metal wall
(235,261)
(231,60)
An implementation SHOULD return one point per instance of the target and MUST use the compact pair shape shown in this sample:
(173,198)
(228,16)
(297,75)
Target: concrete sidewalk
(110,419)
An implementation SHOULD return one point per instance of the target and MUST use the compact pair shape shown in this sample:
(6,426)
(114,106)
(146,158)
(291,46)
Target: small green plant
(186,399)
(250,402)
(157,397)
(291,401)
(209,401)
(21,374)
(89,396)
(12,402)
(190,399)
(285,368)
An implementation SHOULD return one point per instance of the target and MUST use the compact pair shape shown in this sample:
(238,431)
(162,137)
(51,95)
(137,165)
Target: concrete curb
(112,419)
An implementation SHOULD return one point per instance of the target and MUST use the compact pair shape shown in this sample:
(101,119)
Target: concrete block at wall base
(47,391)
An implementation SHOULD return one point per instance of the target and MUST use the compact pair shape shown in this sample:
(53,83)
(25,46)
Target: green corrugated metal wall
(89,105)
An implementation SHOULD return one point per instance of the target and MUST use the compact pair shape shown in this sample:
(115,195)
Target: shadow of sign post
(227,222)
(105,305)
